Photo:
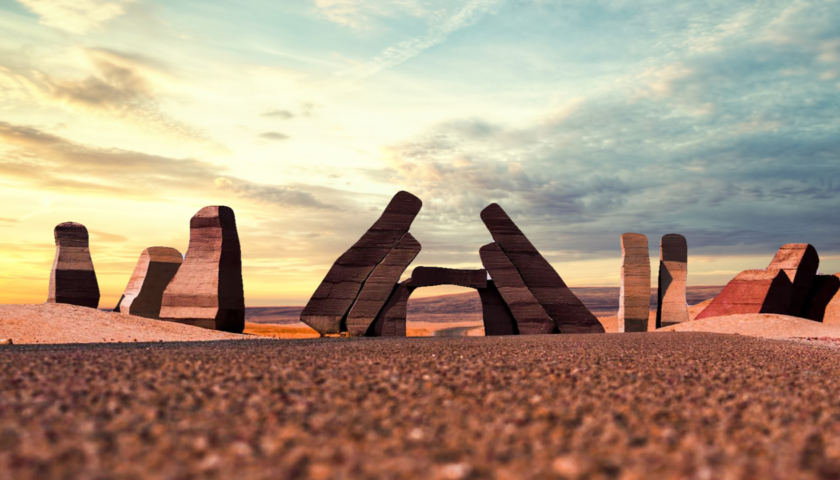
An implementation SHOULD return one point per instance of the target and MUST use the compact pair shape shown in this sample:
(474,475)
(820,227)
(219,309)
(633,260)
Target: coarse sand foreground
(632,406)
(62,323)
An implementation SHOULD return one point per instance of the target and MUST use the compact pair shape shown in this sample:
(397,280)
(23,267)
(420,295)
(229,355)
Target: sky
(582,119)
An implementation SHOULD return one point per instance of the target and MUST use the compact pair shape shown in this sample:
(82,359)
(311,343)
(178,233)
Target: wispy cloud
(468,15)
(274,136)
(76,16)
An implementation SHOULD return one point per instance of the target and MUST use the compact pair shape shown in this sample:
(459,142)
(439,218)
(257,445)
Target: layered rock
(144,293)
(207,289)
(672,307)
(433,276)
(72,278)
(380,284)
(824,299)
(752,291)
(529,315)
(559,303)
(634,296)
(391,320)
(800,262)
(329,306)
(496,314)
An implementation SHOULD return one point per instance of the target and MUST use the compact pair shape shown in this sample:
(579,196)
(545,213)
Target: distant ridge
(461,307)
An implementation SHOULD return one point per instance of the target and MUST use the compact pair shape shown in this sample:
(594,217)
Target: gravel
(630,406)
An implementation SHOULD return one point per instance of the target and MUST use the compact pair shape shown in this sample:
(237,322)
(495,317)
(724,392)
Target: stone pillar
(634,297)
(73,279)
(144,292)
(671,307)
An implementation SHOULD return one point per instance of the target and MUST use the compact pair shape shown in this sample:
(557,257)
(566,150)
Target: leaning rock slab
(144,293)
(327,309)
(634,295)
(800,262)
(824,301)
(530,316)
(379,286)
(73,279)
(672,307)
(562,306)
(207,290)
(752,291)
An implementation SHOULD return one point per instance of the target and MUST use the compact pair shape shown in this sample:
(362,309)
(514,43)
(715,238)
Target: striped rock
(72,278)
(800,262)
(144,293)
(672,307)
(752,291)
(207,290)
(634,296)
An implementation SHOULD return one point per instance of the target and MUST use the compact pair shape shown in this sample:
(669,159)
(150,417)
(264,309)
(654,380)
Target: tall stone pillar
(671,306)
(72,279)
(634,299)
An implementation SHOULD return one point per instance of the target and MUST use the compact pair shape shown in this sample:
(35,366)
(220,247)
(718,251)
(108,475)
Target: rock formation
(673,269)
(390,322)
(207,290)
(634,296)
(72,279)
(824,300)
(562,306)
(497,317)
(752,291)
(328,308)
(433,276)
(144,292)
(529,315)
(800,262)
(379,286)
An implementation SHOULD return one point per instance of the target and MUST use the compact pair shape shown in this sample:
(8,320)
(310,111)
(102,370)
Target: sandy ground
(61,323)
(759,325)
(632,406)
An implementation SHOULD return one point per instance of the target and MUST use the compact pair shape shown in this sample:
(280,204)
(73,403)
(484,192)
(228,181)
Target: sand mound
(61,323)
(759,325)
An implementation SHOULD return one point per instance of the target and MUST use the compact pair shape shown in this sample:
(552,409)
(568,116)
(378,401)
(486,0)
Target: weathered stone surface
(531,318)
(800,262)
(392,318)
(73,279)
(497,317)
(331,302)
(634,295)
(207,290)
(144,292)
(562,306)
(824,299)
(673,272)
(379,286)
(432,276)
(752,291)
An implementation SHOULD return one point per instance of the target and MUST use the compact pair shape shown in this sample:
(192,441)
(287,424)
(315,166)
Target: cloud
(284,114)
(123,85)
(274,136)
(471,12)
(34,157)
(76,16)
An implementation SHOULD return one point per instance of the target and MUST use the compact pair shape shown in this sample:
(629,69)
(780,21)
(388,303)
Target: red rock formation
(327,309)
(824,300)
(207,290)
(800,262)
(752,291)
(634,295)
(379,286)
(673,269)
(433,276)
(73,279)
(144,292)
(561,305)
(531,318)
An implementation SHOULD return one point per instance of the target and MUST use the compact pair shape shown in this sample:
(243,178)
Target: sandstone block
(379,286)
(497,317)
(207,289)
(391,320)
(672,307)
(824,300)
(752,291)
(327,310)
(562,306)
(144,293)
(800,262)
(72,278)
(531,318)
(634,296)
(432,276)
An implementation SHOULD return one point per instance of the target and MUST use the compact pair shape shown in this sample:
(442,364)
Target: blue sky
(583,119)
